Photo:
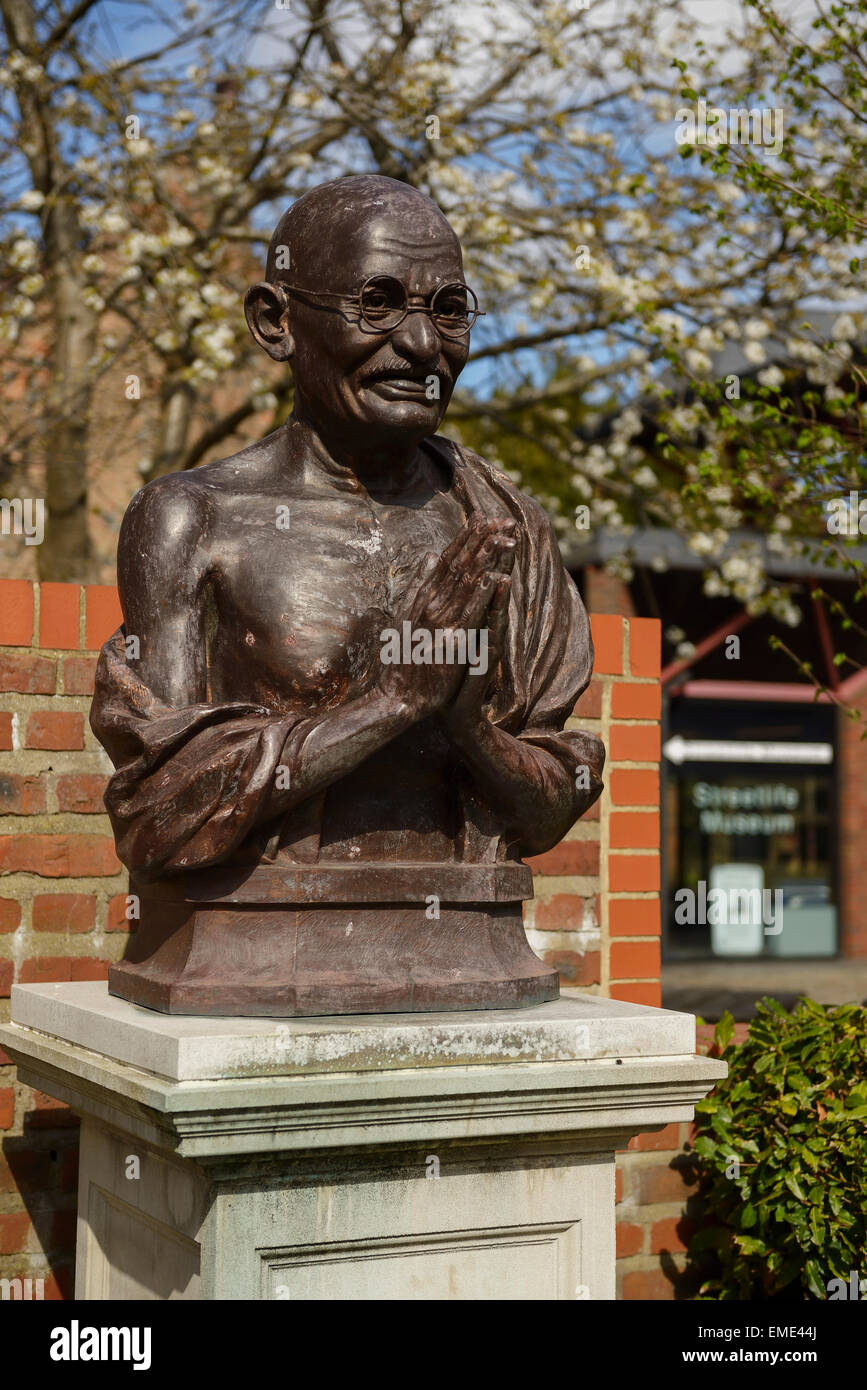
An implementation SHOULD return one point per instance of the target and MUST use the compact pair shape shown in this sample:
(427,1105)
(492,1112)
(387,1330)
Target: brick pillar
(630,649)
(595,917)
(605,593)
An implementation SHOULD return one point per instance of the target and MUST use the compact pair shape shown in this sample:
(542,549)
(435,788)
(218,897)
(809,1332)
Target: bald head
(320,224)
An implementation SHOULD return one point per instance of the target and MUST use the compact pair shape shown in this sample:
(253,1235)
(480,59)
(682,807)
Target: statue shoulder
(175,500)
(168,519)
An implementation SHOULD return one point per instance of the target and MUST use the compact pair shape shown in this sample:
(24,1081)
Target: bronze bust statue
(336,704)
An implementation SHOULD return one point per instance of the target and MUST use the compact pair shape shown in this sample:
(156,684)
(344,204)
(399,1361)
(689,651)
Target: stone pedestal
(442,1156)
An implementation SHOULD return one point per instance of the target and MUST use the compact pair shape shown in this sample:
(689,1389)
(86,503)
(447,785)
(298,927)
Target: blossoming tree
(145,156)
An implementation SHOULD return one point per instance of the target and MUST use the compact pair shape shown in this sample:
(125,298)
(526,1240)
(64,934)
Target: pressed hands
(465,588)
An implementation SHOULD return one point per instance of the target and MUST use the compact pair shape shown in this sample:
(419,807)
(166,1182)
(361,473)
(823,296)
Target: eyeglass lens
(384,304)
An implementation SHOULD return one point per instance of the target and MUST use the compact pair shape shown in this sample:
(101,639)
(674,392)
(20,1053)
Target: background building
(762,776)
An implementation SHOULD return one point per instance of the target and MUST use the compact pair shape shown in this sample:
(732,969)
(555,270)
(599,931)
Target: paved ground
(709,987)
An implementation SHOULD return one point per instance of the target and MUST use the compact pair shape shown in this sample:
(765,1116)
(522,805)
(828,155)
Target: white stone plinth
(439,1156)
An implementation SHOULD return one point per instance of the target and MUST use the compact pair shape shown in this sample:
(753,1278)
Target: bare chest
(303,589)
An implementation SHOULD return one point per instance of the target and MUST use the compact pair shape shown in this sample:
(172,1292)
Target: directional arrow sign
(725,750)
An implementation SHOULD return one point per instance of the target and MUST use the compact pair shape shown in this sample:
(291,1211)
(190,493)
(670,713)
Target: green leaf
(794,1187)
(750,1245)
(815,1282)
(724,1031)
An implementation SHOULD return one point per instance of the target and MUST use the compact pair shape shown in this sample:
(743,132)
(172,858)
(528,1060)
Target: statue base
(290,941)
(445,1157)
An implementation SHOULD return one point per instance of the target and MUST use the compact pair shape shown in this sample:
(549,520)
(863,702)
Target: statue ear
(265,308)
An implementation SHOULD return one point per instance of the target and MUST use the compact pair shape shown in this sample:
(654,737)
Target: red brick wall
(654,1223)
(657,1205)
(60,885)
(595,916)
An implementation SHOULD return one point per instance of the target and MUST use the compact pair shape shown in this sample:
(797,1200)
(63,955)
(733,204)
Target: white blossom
(844,328)
(697,361)
(771,376)
(22,254)
(111,220)
(167,341)
(701,544)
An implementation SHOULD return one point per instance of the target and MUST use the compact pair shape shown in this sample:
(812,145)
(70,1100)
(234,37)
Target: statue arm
(538,791)
(321,750)
(162,571)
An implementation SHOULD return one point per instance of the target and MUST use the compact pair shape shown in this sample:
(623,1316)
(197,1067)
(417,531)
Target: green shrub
(782,1155)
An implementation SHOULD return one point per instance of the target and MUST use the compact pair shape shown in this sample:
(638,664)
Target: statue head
(350,266)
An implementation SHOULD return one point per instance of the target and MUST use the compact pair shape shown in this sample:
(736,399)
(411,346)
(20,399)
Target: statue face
(350,381)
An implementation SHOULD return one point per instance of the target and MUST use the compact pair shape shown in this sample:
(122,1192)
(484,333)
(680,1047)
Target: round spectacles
(383,304)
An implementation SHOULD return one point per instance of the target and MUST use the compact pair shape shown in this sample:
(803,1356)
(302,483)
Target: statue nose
(416,337)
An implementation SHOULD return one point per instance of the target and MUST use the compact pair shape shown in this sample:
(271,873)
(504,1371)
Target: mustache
(414,371)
